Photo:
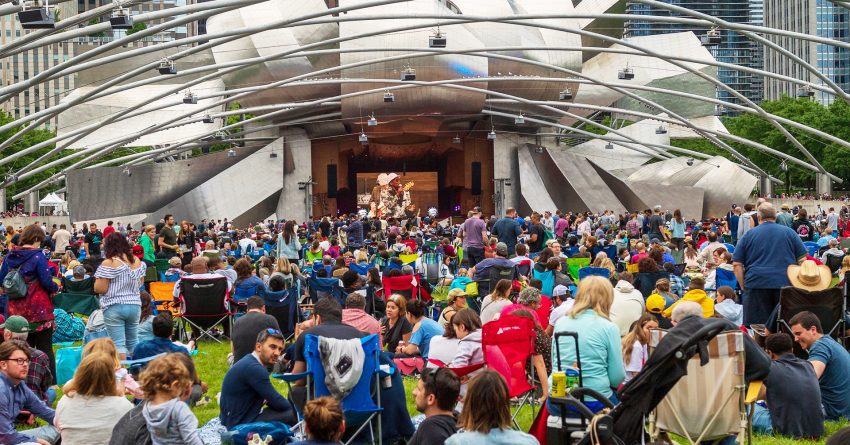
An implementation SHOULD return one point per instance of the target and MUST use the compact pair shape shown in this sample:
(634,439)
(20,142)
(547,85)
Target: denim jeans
(122,324)
(48,433)
(761,420)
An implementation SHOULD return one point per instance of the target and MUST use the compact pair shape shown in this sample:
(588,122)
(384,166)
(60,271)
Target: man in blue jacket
(246,386)
(16,397)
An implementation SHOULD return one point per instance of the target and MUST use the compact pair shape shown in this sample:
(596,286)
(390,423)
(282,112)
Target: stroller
(624,424)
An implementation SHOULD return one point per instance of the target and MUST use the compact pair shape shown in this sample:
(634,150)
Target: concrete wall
(808,204)
(21,221)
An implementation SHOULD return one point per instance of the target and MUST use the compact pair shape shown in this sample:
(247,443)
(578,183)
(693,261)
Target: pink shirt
(360,320)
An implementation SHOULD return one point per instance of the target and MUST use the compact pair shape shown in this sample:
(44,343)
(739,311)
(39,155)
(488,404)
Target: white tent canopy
(51,200)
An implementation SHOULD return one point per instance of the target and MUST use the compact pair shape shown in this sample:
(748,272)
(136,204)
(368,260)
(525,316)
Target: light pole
(307,186)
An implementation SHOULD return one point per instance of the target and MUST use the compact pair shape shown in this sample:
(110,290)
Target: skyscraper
(733,48)
(820,17)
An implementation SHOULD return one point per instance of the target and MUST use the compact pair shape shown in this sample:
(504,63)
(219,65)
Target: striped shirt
(124,284)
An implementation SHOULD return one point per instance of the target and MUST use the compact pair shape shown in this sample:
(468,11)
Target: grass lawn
(211,362)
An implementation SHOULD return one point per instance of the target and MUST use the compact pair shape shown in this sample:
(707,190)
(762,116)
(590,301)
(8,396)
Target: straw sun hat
(809,276)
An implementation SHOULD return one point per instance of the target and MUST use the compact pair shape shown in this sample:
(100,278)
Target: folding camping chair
(593,271)
(729,247)
(645,282)
(204,305)
(77,297)
(611,251)
(829,305)
(283,306)
(162,295)
(508,345)
(431,265)
(574,264)
(725,277)
(811,247)
(833,262)
(409,286)
(548,280)
(359,407)
(496,273)
(718,385)
(360,269)
(319,288)
(524,267)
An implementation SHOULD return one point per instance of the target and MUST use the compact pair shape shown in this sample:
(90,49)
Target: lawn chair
(162,296)
(496,273)
(593,272)
(508,345)
(811,247)
(717,384)
(204,305)
(547,278)
(524,268)
(729,247)
(362,270)
(574,264)
(283,306)
(725,277)
(77,297)
(359,408)
(431,265)
(829,305)
(409,286)
(319,288)
(645,281)
(611,251)
(631,268)
(833,262)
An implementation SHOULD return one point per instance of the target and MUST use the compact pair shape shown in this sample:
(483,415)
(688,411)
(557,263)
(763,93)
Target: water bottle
(82,255)
(572,379)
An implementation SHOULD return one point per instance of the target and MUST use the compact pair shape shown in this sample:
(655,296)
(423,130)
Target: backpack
(14,284)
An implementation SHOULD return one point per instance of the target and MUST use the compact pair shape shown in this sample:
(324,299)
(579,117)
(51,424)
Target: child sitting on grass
(167,383)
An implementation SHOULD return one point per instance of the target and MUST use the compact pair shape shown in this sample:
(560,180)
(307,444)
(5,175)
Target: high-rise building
(757,61)
(26,64)
(734,48)
(819,17)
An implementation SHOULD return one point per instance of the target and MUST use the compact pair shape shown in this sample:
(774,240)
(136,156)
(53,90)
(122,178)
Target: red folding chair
(508,344)
(409,286)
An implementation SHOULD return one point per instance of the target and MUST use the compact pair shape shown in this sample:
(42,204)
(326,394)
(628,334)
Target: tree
(137,26)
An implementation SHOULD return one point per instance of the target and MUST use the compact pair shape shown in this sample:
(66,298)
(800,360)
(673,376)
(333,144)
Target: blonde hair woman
(598,342)
(604,262)
(90,412)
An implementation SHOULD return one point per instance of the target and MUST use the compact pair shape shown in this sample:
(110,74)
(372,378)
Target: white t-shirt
(89,420)
(61,238)
(442,349)
(560,311)
(490,309)
(640,353)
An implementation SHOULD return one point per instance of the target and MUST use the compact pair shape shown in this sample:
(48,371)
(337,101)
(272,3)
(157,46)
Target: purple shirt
(472,229)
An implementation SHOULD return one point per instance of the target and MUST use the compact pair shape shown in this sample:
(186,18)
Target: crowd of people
(646,270)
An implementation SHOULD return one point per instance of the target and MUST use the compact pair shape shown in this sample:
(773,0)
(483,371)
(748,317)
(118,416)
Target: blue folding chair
(359,408)
(726,278)
(572,250)
(729,248)
(812,247)
(548,280)
(283,306)
(593,271)
(361,269)
(611,251)
(325,287)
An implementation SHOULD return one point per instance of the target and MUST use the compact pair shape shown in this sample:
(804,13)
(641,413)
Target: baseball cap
(502,249)
(655,304)
(16,324)
(79,270)
(138,251)
(560,290)
(655,241)
(454,294)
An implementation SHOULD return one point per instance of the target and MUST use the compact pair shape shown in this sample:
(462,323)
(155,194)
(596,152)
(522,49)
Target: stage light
(121,18)
(408,74)
(273,155)
(208,119)
(609,146)
(231,153)
(372,122)
(690,162)
(456,140)
(437,40)
(519,119)
(220,135)
(718,110)
(363,138)
(190,98)
(783,166)
(566,94)
(491,135)
(626,74)
(389,97)
(36,18)
(711,38)
(539,149)
(166,66)
(660,130)
(127,172)
(805,92)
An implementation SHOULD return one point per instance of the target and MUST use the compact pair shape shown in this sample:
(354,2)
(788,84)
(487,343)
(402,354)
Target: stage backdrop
(423,194)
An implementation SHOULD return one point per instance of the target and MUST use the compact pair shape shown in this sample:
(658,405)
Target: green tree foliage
(95,21)
(137,26)
(834,120)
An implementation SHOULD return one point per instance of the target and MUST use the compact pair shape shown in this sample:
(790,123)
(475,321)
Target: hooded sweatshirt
(698,296)
(469,350)
(731,311)
(627,307)
(172,423)
(33,265)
